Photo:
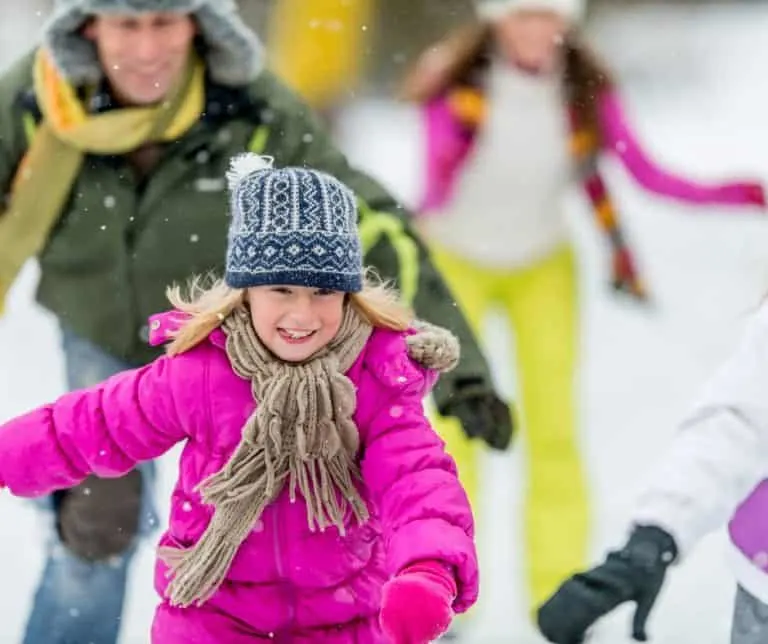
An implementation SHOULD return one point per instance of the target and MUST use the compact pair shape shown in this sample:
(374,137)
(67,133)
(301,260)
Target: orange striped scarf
(468,105)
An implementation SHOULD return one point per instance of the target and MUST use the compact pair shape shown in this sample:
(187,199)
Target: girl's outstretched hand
(416,604)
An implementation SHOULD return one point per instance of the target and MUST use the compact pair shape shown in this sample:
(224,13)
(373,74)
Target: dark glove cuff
(650,547)
(463,389)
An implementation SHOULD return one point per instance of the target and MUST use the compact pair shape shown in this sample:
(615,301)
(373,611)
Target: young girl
(711,472)
(515,108)
(314,501)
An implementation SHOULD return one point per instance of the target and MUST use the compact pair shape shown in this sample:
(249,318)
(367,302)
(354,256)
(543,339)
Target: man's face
(142,55)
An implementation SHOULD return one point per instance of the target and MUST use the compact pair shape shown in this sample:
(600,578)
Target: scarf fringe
(197,572)
(329,492)
(226,487)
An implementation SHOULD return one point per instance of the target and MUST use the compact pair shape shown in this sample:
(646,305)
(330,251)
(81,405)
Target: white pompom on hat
(242,165)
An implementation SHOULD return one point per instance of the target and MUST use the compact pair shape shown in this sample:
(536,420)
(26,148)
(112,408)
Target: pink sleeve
(424,510)
(621,141)
(446,147)
(105,430)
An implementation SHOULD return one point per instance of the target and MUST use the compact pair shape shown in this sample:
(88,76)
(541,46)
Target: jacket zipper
(285,636)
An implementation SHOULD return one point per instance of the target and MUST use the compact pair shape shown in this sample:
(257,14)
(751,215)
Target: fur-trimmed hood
(433,347)
(233,54)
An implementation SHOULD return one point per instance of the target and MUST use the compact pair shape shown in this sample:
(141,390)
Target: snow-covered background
(694,81)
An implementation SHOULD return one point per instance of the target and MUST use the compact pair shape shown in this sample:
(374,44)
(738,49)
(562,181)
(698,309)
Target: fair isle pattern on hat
(233,54)
(292,226)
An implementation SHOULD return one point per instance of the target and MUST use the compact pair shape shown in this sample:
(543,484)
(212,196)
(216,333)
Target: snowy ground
(693,79)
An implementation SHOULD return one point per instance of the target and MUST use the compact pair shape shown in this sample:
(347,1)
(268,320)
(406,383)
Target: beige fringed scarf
(301,433)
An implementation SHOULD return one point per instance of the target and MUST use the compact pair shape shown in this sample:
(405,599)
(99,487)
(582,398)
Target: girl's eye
(281,289)
(324,291)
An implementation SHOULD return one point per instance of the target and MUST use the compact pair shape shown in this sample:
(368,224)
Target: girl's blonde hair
(208,301)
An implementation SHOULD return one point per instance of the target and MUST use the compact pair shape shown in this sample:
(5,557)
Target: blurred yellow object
(540,303)
(316,46)
(4,289)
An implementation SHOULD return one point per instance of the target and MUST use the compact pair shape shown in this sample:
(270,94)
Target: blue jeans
(80,601)
(750,619)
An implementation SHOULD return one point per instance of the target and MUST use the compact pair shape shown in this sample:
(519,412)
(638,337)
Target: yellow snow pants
(540,305)
(316,46)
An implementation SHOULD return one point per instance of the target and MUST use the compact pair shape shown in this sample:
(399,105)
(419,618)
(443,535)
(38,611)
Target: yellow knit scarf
(49,168)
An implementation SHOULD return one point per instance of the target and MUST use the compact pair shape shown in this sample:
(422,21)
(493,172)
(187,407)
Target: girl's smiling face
(295,322)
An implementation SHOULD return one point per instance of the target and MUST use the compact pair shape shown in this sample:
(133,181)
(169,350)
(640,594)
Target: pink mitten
(741,194)
(755,194)
(416,604)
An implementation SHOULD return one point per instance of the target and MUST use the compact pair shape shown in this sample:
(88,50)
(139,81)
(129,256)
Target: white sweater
(507,207)
(719,455)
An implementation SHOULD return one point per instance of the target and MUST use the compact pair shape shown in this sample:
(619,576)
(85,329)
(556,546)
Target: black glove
(482,414)
(634,573)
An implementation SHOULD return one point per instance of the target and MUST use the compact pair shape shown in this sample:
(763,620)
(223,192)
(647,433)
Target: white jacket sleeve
(721,451)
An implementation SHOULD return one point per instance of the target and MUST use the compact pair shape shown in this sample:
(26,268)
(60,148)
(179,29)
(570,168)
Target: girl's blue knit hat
(292,226)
